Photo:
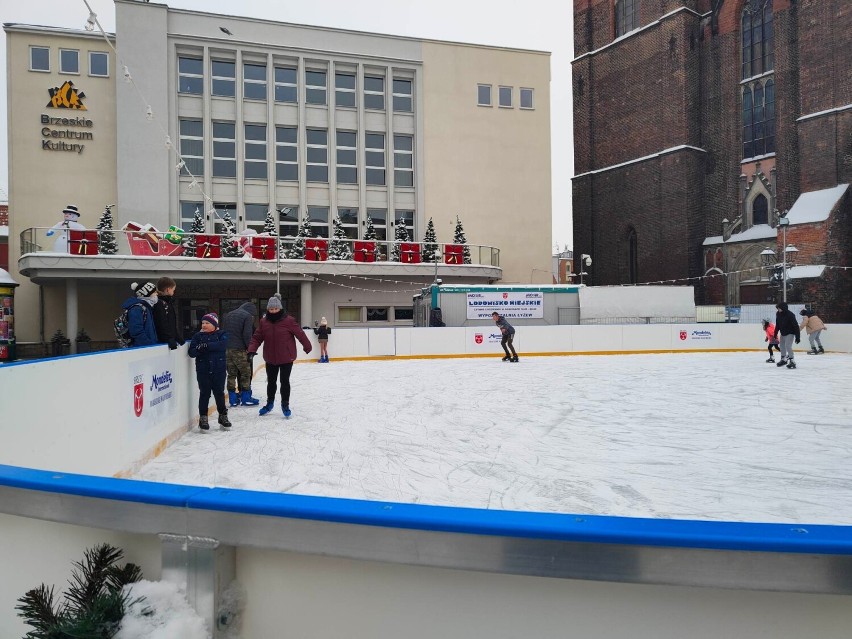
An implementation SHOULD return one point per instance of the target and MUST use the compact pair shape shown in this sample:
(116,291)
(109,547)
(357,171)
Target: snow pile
(163,613)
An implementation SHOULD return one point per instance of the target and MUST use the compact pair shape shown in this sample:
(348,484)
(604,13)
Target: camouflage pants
(239,370)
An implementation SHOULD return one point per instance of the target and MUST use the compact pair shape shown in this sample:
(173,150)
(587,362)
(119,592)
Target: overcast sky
(534,24)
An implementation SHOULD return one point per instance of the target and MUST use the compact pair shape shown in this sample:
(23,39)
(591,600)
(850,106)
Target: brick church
(706,132)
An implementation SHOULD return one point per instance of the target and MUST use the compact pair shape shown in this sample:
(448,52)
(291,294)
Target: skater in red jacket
(769,329)
(278,333)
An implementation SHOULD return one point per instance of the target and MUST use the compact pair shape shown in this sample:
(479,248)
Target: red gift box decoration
(409,253)
(316,250)
(263,248)
(365,251)
(454,254)
(83,242)
(208,246)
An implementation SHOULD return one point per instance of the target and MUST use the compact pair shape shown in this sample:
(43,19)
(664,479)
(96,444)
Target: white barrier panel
(124,406)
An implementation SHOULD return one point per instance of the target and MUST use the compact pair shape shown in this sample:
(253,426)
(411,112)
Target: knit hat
(145,290)
(274,302)
(324,322)
(212,318)
(71,209)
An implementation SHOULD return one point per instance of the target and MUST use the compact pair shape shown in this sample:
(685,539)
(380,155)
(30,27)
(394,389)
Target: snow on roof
(756,232)
(816,206)
(805,272)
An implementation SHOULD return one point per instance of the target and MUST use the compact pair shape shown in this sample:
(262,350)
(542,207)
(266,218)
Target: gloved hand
(766,339)
(181,342)
(49,233)
(797,340)
(172,345)
(250,357)
(202,347)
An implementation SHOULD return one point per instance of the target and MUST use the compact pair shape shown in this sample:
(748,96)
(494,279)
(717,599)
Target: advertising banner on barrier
(153,390)
(510,304)
(698,337)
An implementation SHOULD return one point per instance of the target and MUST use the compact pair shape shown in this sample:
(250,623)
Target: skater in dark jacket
(508,333)
(208,349)
(322,332)
(165,314)
(788,327)
(239,325)
(278,333)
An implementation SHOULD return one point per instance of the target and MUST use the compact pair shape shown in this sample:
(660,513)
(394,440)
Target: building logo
(682,336)
(66,97)
(138,398)
(505,296)
(478,338)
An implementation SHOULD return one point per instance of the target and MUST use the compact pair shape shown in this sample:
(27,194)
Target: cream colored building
(269,116)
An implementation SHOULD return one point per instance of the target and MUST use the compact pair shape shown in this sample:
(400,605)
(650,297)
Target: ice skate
(782,362)
(286,410)
(514,359)
(791,364)
(203,424)
(507,359)
(771,360)
(264,410)
(233,398)
(224,422)
(813,351)
(821,351)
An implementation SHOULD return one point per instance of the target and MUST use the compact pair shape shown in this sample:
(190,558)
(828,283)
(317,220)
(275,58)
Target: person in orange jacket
(769,329)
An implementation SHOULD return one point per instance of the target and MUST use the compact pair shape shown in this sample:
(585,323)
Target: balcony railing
(144,242)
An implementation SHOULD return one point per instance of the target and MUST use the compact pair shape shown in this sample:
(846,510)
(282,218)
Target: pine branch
(37,609)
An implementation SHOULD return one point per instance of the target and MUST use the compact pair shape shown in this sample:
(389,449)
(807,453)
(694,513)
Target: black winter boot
(203,424)
(224,422)
(791,364)
(821,350)
(782,362)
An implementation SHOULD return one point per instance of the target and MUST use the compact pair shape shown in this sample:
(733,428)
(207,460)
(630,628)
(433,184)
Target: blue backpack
(122,325)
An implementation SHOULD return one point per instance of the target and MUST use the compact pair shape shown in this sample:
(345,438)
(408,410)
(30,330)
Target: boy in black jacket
(786,324)
(165,314)
(208,349)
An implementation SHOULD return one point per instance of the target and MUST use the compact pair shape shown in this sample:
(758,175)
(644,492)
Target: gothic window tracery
(626,16)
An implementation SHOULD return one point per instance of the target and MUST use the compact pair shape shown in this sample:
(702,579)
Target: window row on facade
(316,149)
(69,61)
(289,218)
(283,85)
(505,96)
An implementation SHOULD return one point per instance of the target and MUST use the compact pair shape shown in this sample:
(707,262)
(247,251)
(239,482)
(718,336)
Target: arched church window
(757,38)
(758,118)
(626,16)
(760,210)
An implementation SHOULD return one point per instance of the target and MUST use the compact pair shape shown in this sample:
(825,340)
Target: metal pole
(784,261)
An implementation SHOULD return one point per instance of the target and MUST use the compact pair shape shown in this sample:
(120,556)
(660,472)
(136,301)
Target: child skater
(208,348)
(769,329)
(323,331)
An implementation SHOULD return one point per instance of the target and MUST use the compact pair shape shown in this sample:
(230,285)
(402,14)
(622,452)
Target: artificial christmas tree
(400,236)
(270,227)
(297,250)
(197,227)
(459,238)
(430,246)
(230,246)
(106,238)
(340,248)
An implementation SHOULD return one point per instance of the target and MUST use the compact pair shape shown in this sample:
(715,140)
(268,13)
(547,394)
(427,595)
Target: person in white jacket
(814,326)
(70,215)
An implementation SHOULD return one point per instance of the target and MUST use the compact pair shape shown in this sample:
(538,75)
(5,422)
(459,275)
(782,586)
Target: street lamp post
(783,222)
(725,262)
(585,260)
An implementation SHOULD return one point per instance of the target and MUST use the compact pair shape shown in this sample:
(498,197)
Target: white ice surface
(686,436)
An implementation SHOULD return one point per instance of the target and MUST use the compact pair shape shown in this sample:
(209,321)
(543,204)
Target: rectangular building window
(374,92)
(316,155)
(403,313)
(527,99)
(375,158)
(223,79)
(224,150)
(318,217)
(69,61)
(349,314)
(626,17)
(39,59)
(377,313)
(255,152)
(286,154)
(402,91)
(315,87)
(256,216)
(254,81)
(349,221)
(285,85)
(483,95)
(288,220)
(405,217)
(187,214)
(221,208)
(99,64)
(403,160)
(190,75)
(347,153)
(506,97)
(344,89)
(192,147)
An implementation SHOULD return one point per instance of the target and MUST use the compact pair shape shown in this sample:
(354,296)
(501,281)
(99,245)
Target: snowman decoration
(70,216)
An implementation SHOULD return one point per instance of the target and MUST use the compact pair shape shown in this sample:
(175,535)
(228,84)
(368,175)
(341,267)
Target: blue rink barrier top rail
(689,534)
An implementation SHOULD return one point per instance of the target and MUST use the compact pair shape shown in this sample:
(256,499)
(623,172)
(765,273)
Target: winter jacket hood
(239,325)
(279,339)
(140,315)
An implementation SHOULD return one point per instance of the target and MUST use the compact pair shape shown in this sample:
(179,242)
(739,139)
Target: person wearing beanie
(140,314)
(165,314)
(207,347)
(239,325)
(814,326)
(322,332)
(788,327)
(769,331)
(278,333)
(70,215)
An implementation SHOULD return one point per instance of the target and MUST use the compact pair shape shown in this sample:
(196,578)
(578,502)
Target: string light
(149,113)
(90,21)
(168,142)
(127,77)
(179,166)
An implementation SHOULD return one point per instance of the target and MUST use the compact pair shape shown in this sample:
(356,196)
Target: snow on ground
(712,436)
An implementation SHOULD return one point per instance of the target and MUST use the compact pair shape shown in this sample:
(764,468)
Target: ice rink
(687,436)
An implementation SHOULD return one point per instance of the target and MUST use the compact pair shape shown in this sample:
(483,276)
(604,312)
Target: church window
(760,210)
(626,16)
(757,38)
(758,118)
